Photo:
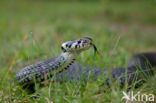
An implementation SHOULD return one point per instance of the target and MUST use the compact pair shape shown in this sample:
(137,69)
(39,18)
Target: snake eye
(85,41)
(79,42)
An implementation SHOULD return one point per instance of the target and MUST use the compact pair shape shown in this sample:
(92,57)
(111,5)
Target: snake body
(64,68)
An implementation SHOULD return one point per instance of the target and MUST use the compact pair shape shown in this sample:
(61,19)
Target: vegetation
(32,31)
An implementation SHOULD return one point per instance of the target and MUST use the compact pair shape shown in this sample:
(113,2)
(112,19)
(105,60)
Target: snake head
(78,45)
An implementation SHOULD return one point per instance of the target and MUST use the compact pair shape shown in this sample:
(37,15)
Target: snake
(63,68)
(43,70)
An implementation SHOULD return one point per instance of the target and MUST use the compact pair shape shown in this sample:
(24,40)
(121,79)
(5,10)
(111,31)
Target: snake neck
(66,59)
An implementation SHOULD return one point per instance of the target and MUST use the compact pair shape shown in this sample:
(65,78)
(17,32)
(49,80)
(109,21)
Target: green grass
(33,31)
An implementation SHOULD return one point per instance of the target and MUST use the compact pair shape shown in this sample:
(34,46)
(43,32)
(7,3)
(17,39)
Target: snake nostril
(62,48)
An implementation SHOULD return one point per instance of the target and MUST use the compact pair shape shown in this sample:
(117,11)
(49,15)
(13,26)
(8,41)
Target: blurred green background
(33,30)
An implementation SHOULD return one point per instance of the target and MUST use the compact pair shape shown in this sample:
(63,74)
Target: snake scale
(64,68)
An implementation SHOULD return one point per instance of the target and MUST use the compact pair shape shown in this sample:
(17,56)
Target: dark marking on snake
(70,46)
(76,46)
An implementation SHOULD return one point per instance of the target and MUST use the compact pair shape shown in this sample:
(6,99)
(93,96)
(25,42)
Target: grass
(32,31)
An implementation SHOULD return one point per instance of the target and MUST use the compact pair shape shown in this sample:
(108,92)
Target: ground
(32,31)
